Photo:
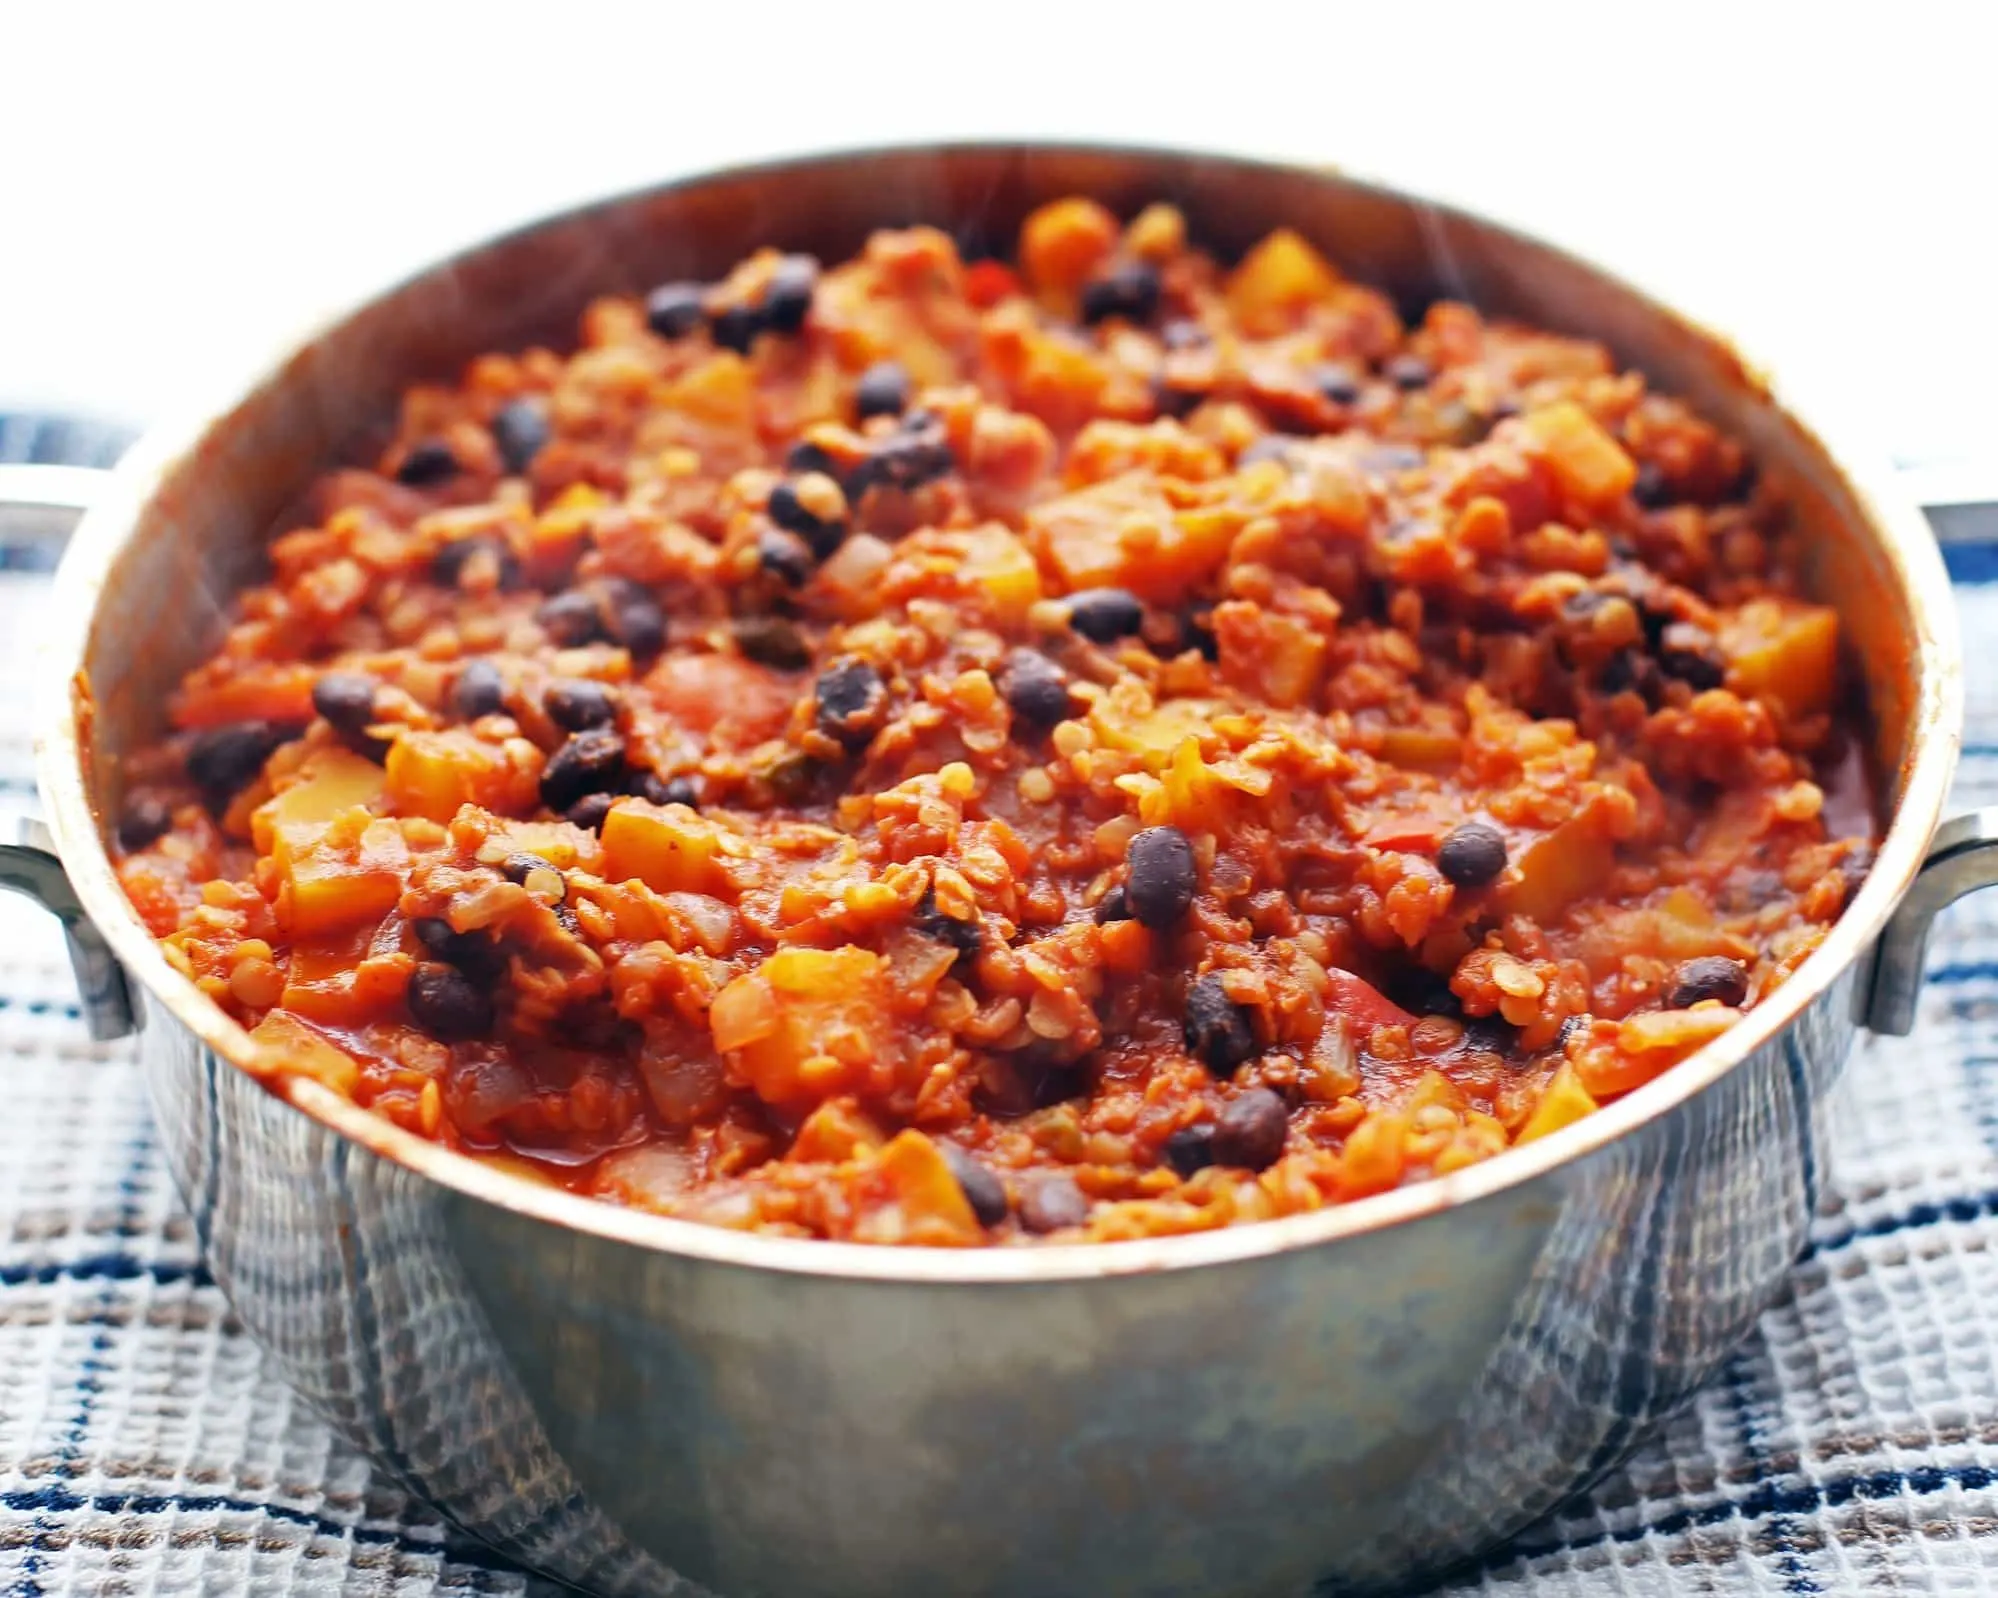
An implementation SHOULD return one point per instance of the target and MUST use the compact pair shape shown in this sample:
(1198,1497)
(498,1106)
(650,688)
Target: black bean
(734,327)
(1338,382)
(589,811)
(805,456)
(787,297)
(1105,614)
(772,641)
(850,698)
(479,691)
(983,1191)
(1572,1027)
(473,952)
(681,790)
(426,463)
(786,556)
(1219,1032)
(1197,629)
(448,1004)
(967,937)
(1629,670)
(1711,976)
(1420,991)
(1162,877)
(570,619)
(448,565)
(143,820)
(789,512)
(1113,906)
(904,461)
(1190,1149)
(574,703)
(223,760)
(1489,1034)
(1651,489)
(1472,855)
(537,876)
(1408,372)
(1250,1131)
(1182,334)
(1169,399)
(1053,1204)
(590,762)
(673,310)
(1129,290)
(1689,653)
(883,390)
(1583,603)
(635,619)
(1035,688)
(520,430)
(346,699)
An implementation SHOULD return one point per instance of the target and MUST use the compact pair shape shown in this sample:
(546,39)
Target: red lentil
(934,753)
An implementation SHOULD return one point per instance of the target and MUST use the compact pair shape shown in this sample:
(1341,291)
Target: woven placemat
(1851,1445)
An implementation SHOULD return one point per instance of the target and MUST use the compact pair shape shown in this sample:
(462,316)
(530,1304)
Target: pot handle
(1963,858)
(28,864)
(38,506)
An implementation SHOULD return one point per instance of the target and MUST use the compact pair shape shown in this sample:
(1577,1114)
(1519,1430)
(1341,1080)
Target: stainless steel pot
(1347,1399)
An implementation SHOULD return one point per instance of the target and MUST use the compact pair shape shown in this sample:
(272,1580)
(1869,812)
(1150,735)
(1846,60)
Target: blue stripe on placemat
(1970,563)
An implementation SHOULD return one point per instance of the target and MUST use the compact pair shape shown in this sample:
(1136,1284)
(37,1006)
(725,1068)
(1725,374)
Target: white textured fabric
(1851,1445)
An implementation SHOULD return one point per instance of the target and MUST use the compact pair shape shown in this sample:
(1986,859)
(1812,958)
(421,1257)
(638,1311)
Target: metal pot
(1332,1401)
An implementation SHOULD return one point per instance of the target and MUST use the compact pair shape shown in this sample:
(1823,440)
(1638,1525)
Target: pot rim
(1935,719)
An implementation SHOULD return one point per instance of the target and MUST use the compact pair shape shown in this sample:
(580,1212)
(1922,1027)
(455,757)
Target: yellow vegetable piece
(1277,279)
(435,774)
(1125,533)
(721,391)
(807,1024)
(1560,867)
(669,848)
(287,1046)
(1062,243)
(924,1203)
(1419,749)
(1586,461)
(1565,1102)
(1157,733)
(329,782)
(339,875)
(1002,568)
(1783,649)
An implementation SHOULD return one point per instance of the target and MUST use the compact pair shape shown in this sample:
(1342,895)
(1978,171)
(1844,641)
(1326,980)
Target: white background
(186,184)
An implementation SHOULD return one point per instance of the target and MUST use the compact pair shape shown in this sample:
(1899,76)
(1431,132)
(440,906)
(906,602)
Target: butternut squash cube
(918,1200)
(1565,1102)
(807,1024)
(999,565)
(1588,464)
(669,848)
(1786,650)
(339,875)
(1558,868)
(435,774)
(721,391)
(1062,243)
(1277,279)
(286,1046)
(1125,533)
(329,782)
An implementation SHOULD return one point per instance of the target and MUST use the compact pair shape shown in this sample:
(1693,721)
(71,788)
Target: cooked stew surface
(941,752)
